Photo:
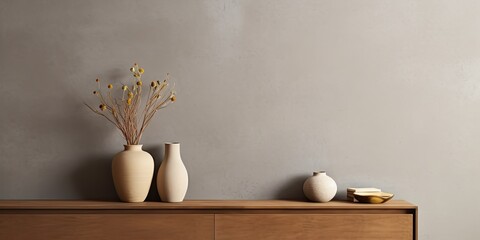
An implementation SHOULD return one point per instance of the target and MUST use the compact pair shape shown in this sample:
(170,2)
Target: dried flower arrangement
(122,112)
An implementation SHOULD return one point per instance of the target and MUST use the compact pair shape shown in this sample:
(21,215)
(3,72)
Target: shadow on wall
(292,189)
(157,154)
(92,174)
(93,178)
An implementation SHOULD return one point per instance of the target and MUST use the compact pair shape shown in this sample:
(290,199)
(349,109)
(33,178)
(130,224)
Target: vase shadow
(93,178)
(157,152)
(292,189)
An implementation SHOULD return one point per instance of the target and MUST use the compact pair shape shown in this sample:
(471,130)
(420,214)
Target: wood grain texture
(107,226)
(201,204)
(308,226)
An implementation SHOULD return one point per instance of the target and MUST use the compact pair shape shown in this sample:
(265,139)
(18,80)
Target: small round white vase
(132,171)
(172,178)
(320,187)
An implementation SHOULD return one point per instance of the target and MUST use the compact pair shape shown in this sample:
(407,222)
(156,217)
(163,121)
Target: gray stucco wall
(378,93)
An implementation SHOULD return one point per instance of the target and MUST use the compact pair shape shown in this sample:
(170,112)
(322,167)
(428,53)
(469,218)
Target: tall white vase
(132,171)
(172,178)
(320,187)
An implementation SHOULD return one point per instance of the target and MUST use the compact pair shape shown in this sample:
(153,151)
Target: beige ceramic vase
(320,187)
(132,171)
(172,178)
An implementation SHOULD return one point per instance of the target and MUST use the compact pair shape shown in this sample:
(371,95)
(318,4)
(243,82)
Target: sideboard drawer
(314,226)
(106,226)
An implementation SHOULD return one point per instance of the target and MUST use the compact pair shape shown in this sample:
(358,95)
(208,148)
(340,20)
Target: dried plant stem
(123,112)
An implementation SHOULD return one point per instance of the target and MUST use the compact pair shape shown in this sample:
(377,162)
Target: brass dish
(375,197)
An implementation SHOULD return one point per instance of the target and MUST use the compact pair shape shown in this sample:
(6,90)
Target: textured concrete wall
(378,93)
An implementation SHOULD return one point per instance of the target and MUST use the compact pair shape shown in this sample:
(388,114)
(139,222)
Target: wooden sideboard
(212,219)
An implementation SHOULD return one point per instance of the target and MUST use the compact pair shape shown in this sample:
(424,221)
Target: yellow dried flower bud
(153,84)
(139,83)
(132,69)
(136,75)
(173,98)
(102,107)
(129,101)
(130,94)
(158,82)
(124,88)
(110,86)
(97,80)
(141,70)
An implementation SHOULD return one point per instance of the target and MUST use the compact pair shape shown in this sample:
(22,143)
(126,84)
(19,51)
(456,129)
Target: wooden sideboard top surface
(200,205)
